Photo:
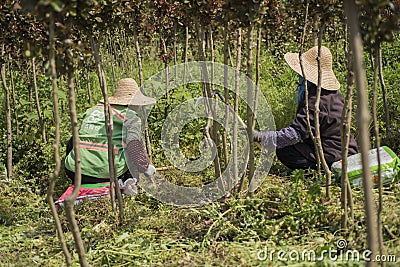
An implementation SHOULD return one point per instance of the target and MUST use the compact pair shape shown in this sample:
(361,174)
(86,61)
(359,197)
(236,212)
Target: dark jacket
(331,105)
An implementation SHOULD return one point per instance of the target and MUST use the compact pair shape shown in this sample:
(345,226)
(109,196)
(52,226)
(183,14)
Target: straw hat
(310,65)
(128,93)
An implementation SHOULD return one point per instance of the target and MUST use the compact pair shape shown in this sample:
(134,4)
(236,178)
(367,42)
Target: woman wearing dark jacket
(294,146)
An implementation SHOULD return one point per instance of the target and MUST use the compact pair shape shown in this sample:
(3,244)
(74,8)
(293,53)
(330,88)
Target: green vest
(93,142)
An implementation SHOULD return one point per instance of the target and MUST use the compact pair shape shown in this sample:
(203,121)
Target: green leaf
(57,5)
(122,237)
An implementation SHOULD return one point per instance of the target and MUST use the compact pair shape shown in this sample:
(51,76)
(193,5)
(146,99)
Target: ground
(286,221)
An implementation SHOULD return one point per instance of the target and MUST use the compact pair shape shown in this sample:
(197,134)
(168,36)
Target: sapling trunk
(236,106)
(318,141)
(12,87)
(315,30)
(255,101)
(186,54)
(226,96)
(364,117)
(114,59)
(69,200)
(230,56)
(39,112)
(383,86)
(250,97)
(215,132)
(53,176)
(166,62)
(108,121)
(175,52)
(208,95)
(8,119)
(258,48)
(303,74)
(377,145)
(29,90)
(346,192)
(88,84)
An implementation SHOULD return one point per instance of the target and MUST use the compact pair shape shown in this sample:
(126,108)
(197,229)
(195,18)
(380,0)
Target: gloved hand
(151,170)
(257,135)
(129,186)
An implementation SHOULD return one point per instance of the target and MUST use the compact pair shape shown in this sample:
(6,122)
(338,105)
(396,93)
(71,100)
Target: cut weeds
(286,213)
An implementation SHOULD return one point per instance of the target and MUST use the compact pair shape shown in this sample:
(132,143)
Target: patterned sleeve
(285,137)
(137,155)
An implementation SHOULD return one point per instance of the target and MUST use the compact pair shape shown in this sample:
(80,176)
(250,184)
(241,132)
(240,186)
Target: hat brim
(136,100)
(328,82)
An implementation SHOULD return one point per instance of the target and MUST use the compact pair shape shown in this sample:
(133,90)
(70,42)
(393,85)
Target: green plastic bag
(389,167)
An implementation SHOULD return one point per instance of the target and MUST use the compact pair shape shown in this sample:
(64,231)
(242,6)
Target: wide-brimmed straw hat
(128,93)
(310,65)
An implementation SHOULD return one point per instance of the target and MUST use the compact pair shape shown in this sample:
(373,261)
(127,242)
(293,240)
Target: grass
(286,213)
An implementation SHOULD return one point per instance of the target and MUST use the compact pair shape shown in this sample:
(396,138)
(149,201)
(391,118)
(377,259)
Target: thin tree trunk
(255,101)
(349,193)
(29,90)
(346,34)
(8,119)
(378,144)
(89,88)
(350,203)
(114,59)
(175,53)
(250,97)
(204,73)
(140,69)
(236,107)
(12,87)
(230,56)
(257,72)
(186,54)
(208,95)
(166,62)
(39,112)
(69,200)
(215,132)
(345,140)
(226,96)
(108,121)
(305,84)
(318,141)
(383,86)
(229,184)
(56,145)
(364,117)
(126,46)
(315,30)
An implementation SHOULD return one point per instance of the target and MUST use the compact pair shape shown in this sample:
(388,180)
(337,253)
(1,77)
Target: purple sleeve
(285,137)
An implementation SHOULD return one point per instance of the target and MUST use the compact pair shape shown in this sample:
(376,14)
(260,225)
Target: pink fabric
(85,192)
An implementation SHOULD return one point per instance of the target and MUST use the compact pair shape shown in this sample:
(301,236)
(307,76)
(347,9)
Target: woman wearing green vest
(126,137)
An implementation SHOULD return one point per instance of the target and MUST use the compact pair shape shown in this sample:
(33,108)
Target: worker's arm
(137,155)
(134,146)
(285,137)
